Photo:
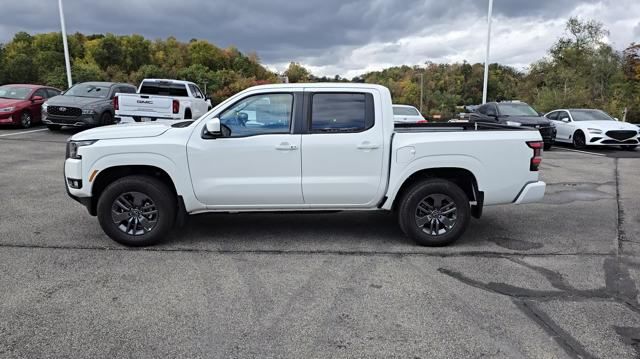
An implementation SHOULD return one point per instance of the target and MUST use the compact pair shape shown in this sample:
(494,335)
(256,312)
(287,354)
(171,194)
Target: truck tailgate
(156,106)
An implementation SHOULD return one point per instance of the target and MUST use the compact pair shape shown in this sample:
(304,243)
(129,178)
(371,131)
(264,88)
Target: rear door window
(341,112)
(52,92)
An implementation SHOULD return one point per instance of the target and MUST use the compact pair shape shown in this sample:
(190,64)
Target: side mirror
(541,114)
(615,118)
(213,127)
(36,98)
(492,113)
(565,119)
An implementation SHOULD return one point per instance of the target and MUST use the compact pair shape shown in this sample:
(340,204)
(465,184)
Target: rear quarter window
(341,112)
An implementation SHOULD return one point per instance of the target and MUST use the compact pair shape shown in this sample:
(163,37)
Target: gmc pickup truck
(159,99)
(301,147)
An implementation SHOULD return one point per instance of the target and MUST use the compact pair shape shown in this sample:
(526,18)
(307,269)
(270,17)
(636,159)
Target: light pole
(486,58)
(421,89)
(64,44)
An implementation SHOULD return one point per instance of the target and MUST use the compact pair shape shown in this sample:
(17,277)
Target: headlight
(595,131)
(88,111)
(7,109)
(73,146)
(512,123)
(44,107)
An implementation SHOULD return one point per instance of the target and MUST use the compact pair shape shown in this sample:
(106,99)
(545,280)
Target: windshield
(405,111)
(88,90)
(590,115)
(516,109)
(14,92)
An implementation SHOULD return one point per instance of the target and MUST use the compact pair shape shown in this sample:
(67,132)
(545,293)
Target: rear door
(342,148)
(36,105)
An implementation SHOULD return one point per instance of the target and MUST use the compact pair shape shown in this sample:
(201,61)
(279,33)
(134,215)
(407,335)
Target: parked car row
(20,104)
(579,127)
(91,104)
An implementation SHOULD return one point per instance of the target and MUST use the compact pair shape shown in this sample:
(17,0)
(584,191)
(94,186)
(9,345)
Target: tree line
(580,70)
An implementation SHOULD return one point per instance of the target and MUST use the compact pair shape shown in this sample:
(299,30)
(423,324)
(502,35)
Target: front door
(258,165)
(564,126)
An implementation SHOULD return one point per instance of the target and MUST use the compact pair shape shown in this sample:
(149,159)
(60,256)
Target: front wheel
(106,119)
(434,212)
(137,210)
(25,120)
(579,141)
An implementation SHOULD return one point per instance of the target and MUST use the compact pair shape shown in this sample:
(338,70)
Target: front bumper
(79,121)
(8,119)
(531,192)
(604,140)
(73,171)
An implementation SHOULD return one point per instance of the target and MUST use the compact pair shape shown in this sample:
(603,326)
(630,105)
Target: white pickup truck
(301,147)
(160,99)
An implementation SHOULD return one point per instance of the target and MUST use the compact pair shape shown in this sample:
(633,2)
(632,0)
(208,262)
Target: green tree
(297,73)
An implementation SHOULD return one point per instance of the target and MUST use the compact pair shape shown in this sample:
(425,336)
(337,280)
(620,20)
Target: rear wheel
(54,127)
(137,210)
(25,120)
(579,140)
(434,212)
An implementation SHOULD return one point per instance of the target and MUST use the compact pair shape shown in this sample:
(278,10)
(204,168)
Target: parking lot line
(585,152)
(23,132)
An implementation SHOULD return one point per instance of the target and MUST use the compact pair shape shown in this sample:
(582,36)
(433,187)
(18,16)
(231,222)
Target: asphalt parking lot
(553,279)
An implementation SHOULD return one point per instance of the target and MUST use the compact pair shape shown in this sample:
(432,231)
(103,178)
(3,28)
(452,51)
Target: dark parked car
(20,104)
(85,104)
(516,113)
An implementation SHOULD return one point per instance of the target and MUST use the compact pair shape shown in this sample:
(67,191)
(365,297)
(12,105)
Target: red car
(21,104)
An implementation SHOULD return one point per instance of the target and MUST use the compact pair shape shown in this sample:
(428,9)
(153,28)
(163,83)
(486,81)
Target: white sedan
(407,114)
(589,127)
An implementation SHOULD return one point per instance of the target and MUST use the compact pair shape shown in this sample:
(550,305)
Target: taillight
(176,106)
(537,154)
(116,105)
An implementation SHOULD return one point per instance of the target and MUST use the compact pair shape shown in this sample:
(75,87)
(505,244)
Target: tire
(106,119)
(54,127)
(547,146)
(142,196)
(579,141)
(629,148)
(421,198)
(26,120)
(187,114)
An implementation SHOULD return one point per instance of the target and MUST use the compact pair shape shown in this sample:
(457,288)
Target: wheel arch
(111,174)
(462,177)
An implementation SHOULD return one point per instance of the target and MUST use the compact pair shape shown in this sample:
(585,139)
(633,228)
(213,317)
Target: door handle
(286,146)
(366,145)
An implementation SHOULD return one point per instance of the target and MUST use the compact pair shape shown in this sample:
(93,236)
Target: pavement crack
(621,237)
(570,345)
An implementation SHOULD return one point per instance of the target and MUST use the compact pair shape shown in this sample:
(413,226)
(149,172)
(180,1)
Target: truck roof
(183,82)
(336,85)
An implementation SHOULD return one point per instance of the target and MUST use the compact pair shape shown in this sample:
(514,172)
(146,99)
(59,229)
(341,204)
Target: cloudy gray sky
(345,37)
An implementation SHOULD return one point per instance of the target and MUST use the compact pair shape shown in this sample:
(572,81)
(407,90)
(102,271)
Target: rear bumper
(531,192)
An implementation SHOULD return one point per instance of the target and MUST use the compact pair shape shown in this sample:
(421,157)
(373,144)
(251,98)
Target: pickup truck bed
(301,147)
